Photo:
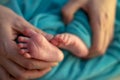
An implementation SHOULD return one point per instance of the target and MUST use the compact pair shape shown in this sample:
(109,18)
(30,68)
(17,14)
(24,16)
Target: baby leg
(36,46)
(71,43)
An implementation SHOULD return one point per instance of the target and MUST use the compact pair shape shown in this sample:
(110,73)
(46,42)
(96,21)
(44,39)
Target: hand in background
(101,14)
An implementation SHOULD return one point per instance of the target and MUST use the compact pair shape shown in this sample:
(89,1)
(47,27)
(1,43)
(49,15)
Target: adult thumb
(21,25)
(70,8)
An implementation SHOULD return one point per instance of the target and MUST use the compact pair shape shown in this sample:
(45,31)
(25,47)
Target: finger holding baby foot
(38,47)
(40,42)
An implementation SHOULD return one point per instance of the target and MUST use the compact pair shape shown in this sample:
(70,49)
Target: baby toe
(54,42)
(23,51)
(60,39)
(27,55)
(22,45)
(23,39)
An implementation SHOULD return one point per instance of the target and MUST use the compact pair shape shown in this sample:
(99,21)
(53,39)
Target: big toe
(23,39)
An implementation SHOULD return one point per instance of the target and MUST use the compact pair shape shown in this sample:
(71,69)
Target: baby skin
(30,46)
(33,44)
(71,43)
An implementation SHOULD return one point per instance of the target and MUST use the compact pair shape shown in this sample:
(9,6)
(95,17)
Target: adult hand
(12,64)
(101,14)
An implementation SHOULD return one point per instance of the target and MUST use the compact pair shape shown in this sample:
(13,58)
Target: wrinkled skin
(13,66)
(30,44)
(71,43)
(33,44)
(101,14)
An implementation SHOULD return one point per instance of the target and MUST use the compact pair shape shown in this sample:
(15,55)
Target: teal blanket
(46,15)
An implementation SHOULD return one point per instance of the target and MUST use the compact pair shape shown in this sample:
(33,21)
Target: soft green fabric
(46,15)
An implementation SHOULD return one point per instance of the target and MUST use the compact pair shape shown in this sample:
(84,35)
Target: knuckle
(101,20)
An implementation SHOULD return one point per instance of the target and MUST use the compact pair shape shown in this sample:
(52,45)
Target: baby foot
(71,43)
(36,46)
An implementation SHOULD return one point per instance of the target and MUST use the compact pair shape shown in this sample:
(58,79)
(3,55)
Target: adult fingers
(24,62)
(16,22)
(70,8)
(99,38)
(102,23)
(21,73)
(102,33)
(4,75)
(32,63)
(21,25)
